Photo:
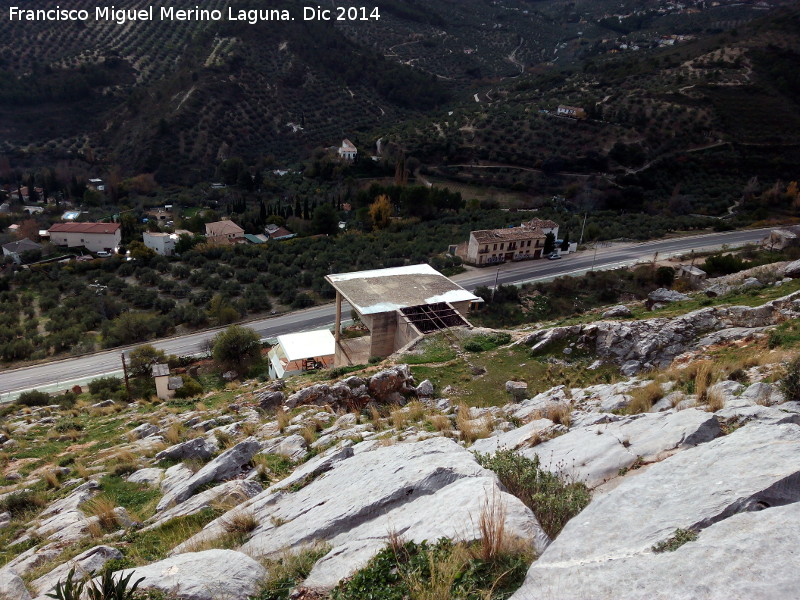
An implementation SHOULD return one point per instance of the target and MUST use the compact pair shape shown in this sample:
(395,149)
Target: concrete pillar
(337,334)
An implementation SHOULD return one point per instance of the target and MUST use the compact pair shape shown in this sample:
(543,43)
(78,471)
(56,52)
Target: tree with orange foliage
(381,211)
(28,228)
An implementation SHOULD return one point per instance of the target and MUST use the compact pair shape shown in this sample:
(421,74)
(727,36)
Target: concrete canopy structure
(398,305)
(297,352)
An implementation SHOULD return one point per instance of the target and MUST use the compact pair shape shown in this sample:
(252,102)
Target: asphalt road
(65,373)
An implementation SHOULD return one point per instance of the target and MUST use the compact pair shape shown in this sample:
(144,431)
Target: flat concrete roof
(386,290)
(308,344)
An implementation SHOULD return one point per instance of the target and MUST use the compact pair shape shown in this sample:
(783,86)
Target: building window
(501,246)
(495,247)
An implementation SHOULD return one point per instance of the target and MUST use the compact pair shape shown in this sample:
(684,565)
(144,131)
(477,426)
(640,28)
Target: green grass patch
(435,349)
(511,363)
(552,498)
(679,538)
(144,547)
(785,335)
(435,570)
(136,498)
(289,571)
(484,342)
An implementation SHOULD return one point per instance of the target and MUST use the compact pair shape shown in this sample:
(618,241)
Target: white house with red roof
(95,237)
(347,150)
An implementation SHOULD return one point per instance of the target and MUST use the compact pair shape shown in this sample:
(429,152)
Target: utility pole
(583,227)
(594,257)
(496,277)
(125,372)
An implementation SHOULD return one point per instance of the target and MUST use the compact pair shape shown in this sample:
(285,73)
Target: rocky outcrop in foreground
(420,491)
(741,493)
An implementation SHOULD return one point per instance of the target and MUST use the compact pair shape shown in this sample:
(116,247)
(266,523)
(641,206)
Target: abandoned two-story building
(398,305)
(491,246)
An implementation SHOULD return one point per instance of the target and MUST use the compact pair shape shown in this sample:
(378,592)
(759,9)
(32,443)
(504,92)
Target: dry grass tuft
(560,414)
(375,417)
(472,429)
(225,439)
(126,457)
(443,574)
(80,470)
(283,418)
(399,418)
(643,398)
(704,373)
(309,433)
(249,428)
(174,434)
(240,523)
(52,480)
(441,422)
(102,507)
(493,526)
(714,401)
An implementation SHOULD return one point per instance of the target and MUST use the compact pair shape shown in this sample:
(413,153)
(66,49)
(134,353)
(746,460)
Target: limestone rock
(144,430)
(147,476)
(664,295)
(517,389)
(270,400)
(229,493)
(792,270)
(90,561)
(606,553)
(618,311)
(750,282)
(227,465)
(520,437)
(292,447)
(12,586)
(31,559)
(385,384)
(174,476)
(207,575)
(635,344)
(76,497)
(200,448)
(541,403)
(361,498)
(717,289)
(425,389)
(596,453)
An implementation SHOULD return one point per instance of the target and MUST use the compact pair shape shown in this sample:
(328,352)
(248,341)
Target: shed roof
(160,370)
(98,228)
(21,246)
(308,344)
(386,290)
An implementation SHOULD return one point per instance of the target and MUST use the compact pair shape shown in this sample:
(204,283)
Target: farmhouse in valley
(16,249)
(491,246)
(95,237)
(347,150)
(398,305)
(574,112)
(224,232)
